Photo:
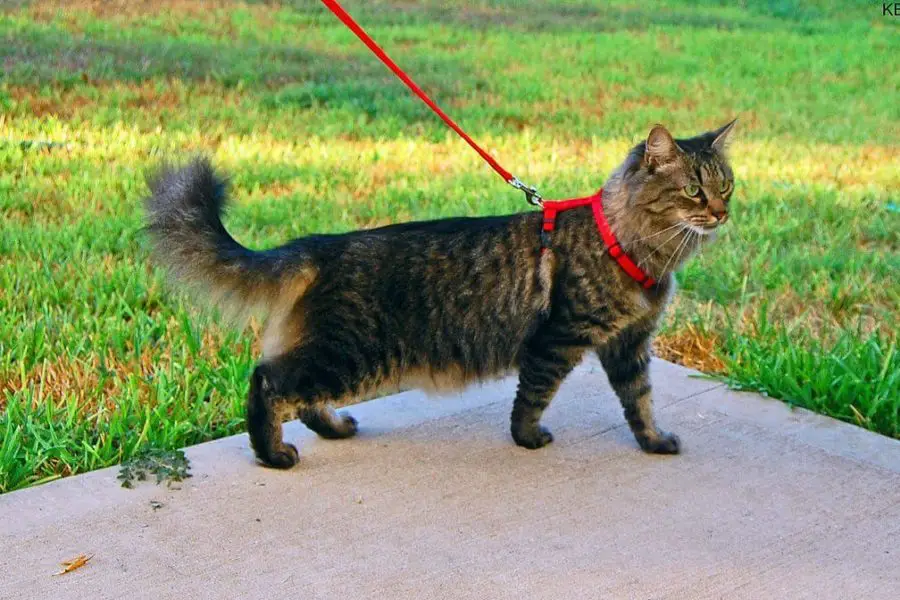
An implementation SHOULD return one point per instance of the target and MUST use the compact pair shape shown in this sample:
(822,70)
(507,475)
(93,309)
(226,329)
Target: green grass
(99,359)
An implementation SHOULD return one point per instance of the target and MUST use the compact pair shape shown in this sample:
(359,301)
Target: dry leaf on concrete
(76,563)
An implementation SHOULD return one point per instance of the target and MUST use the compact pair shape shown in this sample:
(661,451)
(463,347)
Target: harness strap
(616,251)
(552,209)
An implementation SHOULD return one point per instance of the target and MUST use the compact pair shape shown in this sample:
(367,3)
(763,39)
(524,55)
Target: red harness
(551,208)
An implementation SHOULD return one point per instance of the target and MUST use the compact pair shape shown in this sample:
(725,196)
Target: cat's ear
(720,136)
(661,147)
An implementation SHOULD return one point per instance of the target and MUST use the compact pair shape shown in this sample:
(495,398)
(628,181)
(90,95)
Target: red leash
(531,194)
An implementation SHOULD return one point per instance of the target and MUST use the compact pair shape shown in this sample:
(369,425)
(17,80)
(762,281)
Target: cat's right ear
(721,136)
(661,147)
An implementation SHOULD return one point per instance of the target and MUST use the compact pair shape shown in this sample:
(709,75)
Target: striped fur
(441,304)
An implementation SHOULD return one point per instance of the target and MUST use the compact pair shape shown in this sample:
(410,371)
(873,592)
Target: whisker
(696,239)
(694,235)
(658,248)
(678,249)
(653,235)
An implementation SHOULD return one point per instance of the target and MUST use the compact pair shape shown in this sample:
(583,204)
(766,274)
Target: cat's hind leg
(298,382)
(327,422)
(265,408)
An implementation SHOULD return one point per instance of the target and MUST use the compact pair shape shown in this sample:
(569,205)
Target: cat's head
(685,181)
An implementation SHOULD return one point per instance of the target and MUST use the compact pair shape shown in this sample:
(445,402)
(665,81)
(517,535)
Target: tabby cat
(441,304)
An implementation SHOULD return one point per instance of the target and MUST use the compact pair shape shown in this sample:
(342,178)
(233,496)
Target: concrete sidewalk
(433,500)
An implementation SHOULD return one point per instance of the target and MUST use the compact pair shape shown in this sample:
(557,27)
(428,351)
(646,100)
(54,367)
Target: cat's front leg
(545,363)
(626,358)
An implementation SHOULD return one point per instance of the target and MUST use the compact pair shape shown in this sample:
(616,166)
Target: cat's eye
(692,190)
(724,186)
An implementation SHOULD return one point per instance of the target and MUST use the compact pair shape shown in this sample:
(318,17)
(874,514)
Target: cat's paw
(349,425)
(663,443)
(328,423)
(283,459)
(534,438)
(337,427)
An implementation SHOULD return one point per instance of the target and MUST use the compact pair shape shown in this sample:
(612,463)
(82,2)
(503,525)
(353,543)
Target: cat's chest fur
(605,306)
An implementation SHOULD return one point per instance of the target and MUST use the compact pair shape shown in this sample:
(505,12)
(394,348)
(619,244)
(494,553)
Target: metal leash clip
(531,194)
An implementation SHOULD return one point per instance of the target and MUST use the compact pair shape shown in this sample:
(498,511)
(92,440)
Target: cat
(441,304)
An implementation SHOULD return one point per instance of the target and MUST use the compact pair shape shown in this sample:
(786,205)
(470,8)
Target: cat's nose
(720,215)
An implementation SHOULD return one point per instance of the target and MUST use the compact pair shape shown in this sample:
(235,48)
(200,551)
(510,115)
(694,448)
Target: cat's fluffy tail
(184,222)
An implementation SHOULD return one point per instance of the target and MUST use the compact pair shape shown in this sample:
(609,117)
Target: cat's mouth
(703,228)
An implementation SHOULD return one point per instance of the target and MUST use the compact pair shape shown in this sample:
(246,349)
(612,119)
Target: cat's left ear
(720,136)
(661,148)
